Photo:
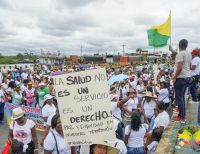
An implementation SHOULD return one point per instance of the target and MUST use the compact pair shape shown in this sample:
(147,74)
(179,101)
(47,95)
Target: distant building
(109,59)
(51,58)
(93,59)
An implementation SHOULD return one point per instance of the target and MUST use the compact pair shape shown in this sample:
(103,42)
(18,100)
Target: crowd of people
(141,104)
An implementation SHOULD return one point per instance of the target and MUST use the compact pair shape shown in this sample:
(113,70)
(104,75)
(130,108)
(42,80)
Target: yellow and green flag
(159,35)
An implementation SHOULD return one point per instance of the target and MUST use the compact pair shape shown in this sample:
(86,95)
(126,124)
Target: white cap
(47,97)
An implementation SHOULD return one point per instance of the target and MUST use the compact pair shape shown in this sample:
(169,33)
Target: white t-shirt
(17,98)
(133,84)
(119,144)
(1,77)
(152,147)
(1,96)
(132,103)
(136,138)
(196,62)
(116,110)
(23,88)
(139,88)
(122,91)
(186,57)
(24,75)
(163,95)
(49,119)
(23,133)
(149,108)
(161,120)
(50,143)
(48,110)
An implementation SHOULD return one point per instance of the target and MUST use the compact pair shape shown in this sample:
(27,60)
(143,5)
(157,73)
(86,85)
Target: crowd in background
(141,104)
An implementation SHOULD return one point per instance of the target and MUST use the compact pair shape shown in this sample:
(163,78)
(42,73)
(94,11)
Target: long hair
(54,121)
(135,121)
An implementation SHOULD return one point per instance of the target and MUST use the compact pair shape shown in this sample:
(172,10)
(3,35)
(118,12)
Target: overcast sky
(102,25)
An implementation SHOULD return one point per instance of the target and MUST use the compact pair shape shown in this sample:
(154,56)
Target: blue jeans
(193,88)
(180,86)
(138,150)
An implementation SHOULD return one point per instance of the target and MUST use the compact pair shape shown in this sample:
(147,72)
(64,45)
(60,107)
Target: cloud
(76,3)
(102,25)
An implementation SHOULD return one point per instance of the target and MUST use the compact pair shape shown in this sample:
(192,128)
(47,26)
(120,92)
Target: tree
(20,56)
(138,50)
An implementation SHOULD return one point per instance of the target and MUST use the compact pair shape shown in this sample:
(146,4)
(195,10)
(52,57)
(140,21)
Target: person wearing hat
(195,71)
(48,107)
(23,130)
(149,104)
(30,94)
(116,110)
(43,90)
(102,149)
(131,103)
(17,97)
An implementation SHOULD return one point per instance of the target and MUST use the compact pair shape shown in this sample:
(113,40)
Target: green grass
(8,59)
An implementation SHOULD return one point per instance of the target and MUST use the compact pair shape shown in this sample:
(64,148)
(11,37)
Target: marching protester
(149,104)
(134,135)
(54,142)
(17,97)
(48,107)
(30,95)
(163,93)
(23,130)
(43,90)
(138,115)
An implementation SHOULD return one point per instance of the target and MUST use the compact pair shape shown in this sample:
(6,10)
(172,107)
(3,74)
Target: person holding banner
(54,142)
(23,130)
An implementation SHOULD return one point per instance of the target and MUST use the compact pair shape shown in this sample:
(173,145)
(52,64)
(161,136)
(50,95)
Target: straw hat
(131,90)
(149,94)
(110,150)
(17,113)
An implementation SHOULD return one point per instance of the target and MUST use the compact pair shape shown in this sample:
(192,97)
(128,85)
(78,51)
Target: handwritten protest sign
(34,114)
(85,108)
